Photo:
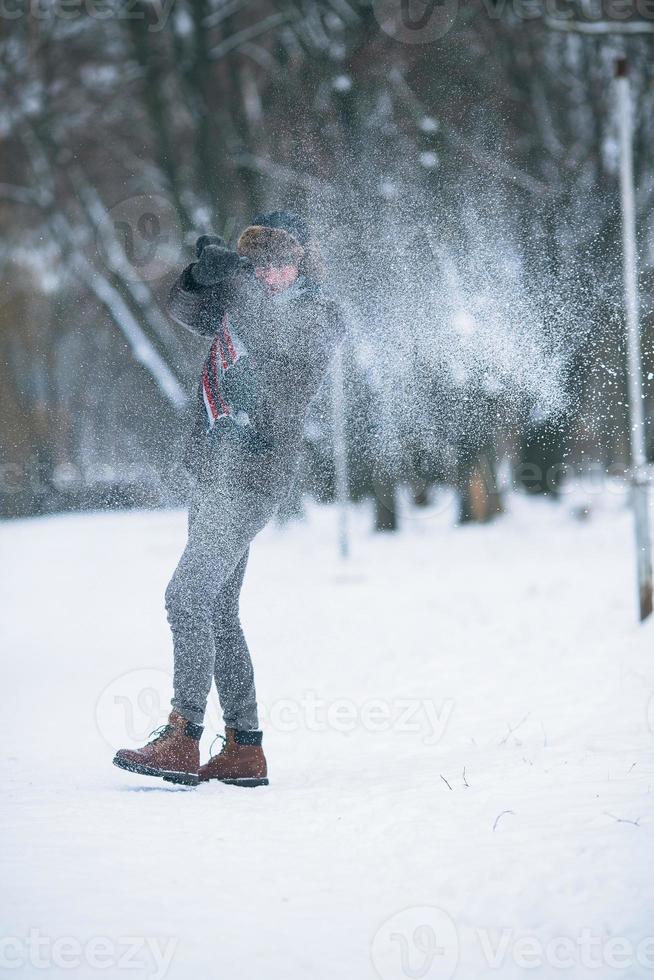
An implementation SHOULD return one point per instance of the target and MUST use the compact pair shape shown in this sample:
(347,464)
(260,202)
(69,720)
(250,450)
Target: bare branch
(248,33)
(635,823)
(499,815)
(484,157)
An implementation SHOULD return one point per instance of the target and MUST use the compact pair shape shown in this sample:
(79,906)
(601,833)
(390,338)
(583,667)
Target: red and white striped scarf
(225,351)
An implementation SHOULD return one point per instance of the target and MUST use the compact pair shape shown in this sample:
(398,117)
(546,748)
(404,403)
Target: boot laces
(223,740)
(162,732)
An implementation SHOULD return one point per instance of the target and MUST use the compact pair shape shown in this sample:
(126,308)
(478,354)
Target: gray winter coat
(290,339)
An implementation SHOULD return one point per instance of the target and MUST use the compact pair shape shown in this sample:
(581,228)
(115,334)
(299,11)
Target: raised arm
(220,281)
(187,302)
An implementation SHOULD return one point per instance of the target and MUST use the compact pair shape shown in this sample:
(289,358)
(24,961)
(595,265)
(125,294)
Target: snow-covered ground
(456,723)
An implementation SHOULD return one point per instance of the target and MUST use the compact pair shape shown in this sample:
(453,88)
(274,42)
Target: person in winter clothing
(273,333)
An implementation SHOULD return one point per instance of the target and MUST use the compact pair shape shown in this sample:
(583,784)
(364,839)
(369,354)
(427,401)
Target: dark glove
(205,240)
(217,264)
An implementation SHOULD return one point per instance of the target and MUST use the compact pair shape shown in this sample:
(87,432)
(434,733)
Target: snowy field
(460,739)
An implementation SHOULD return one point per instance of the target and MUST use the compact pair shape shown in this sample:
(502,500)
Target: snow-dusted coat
(287,341)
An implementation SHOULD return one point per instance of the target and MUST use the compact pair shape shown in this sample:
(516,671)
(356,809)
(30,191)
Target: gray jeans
(202,604)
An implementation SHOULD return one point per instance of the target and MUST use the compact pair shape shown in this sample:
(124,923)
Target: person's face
(276,278)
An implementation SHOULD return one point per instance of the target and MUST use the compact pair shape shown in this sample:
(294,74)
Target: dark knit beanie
(286,220)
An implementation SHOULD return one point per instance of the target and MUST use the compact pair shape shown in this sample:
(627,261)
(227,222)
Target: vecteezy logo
(132,706)
(415,21)
(141,237)
(417,944)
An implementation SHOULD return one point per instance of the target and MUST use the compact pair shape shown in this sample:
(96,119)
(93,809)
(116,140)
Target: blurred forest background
(464,189)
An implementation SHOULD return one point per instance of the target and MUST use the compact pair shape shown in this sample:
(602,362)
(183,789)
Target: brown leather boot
(240,762)
(174,754)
